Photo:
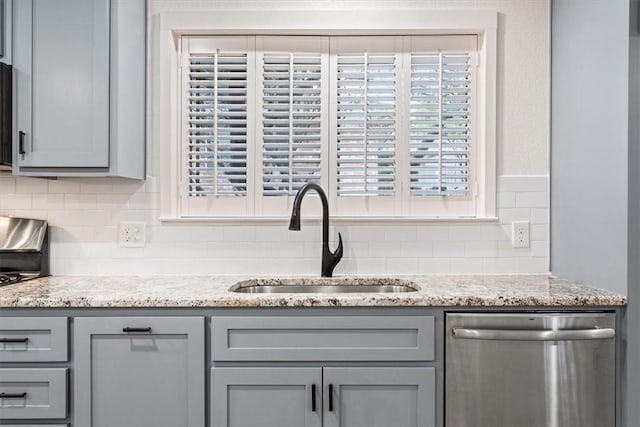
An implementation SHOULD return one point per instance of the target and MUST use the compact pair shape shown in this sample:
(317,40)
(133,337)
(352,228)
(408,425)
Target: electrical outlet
(132,234)
(520,234)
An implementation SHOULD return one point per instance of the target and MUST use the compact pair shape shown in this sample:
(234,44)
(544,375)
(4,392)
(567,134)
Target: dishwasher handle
(534,335)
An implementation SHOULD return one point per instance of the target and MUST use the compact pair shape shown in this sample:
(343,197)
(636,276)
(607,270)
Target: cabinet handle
(21,136)
(313,397)
(13,395)
(127,329)
(14,340)
(330,397)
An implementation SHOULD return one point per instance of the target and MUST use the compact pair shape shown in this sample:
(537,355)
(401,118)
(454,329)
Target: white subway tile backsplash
(434,266)
(499,265)
(31,185)
(7,185)
(507,199)
(15,201)
(448,249)
(523,183)
(540,216)
(84,217)
(537,265)
(532,199)
(61,186)
(481,249)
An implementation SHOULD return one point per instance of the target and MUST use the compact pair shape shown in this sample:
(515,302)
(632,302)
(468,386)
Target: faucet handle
(339,250)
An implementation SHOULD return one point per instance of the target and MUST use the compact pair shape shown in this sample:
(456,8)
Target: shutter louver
(439,124)
(291,113)
(217,124)
(366,124)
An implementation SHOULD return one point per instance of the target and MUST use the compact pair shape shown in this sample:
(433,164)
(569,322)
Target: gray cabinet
(37,393)
(6,22)
(79,72)
(314,396)
(379,397)
(283,397)
(350,395)
(139,371)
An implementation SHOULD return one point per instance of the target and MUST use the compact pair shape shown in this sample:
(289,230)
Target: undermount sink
(324,286)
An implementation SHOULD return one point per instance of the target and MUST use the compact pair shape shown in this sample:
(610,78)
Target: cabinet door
(266,397)
(379,397)
(137,371)
(61,67)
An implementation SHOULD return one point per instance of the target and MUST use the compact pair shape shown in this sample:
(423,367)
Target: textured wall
(523,64)
(84,213)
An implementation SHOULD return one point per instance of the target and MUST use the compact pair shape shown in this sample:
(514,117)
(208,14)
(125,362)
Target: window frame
(168,127)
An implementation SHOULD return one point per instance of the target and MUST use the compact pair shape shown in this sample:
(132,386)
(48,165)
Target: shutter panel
(216,77)
(293,77)
(439,124)
(366,124)
(291,147)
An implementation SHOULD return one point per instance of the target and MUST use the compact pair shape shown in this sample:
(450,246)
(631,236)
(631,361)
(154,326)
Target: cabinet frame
(84,330)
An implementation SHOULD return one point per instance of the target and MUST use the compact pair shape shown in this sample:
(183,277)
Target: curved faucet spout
(329,259)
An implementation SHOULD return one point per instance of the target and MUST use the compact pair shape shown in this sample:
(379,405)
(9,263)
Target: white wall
(84,213)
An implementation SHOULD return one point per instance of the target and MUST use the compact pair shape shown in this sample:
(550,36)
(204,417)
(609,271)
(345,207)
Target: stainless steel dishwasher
(530,370)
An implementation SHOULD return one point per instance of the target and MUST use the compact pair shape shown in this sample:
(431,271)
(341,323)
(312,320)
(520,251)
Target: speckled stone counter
(213,291)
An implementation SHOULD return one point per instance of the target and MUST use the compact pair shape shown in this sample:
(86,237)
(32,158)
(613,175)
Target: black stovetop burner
(9,278)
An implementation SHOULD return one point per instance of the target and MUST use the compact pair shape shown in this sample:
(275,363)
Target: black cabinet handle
(127,329)
(21,136)
(12,395)
(313,397)
(330,397)
(14,339)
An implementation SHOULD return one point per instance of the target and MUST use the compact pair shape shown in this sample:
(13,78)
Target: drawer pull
(3,340)
(127,330)
(330,397)
(13,395)
(313,397)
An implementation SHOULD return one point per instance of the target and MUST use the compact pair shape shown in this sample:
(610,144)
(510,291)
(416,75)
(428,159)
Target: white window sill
(333,219)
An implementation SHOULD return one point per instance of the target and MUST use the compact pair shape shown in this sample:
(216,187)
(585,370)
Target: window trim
(172,26)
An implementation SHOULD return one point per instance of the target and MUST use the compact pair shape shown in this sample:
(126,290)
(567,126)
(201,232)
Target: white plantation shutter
(366,74)
(216,126)
(440,87)
(439,126)
(386,124)
(294,92)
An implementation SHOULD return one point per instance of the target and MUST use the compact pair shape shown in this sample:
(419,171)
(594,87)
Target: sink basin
(324,286)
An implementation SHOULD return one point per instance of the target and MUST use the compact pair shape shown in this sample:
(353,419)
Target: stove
(24,249)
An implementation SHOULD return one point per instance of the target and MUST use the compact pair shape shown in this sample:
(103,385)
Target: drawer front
(33,393)
(392,338)
(33,339)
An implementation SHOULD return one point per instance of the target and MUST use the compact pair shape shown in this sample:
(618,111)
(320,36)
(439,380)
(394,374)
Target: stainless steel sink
(324,286)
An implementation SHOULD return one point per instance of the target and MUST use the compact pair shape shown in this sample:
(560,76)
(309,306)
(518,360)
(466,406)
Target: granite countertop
(213,291)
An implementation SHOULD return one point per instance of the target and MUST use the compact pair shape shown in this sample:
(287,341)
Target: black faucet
(329,259)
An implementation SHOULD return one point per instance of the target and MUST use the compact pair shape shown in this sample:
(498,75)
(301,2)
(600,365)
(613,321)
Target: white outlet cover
(520,234)
(132,234)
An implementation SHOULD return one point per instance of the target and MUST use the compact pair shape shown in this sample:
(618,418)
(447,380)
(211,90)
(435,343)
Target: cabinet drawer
(391,338)
(36,393)
(33,339)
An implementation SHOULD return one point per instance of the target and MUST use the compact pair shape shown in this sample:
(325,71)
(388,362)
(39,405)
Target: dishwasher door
(530,370)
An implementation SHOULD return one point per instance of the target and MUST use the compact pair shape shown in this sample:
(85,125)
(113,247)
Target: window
(392,126)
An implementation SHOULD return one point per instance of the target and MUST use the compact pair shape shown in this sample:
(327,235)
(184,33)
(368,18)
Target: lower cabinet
(330,397)
(139,371)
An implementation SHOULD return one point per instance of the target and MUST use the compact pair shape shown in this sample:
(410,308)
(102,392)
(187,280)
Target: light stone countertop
(213,291)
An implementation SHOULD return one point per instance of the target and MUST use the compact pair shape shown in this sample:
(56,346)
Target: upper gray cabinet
(79,75)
